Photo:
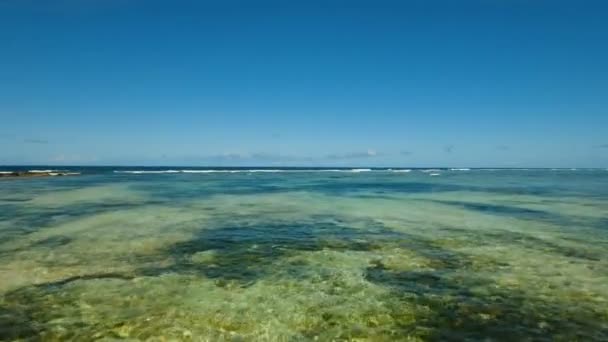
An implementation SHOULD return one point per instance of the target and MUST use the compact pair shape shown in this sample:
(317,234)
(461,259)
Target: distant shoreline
(35,174)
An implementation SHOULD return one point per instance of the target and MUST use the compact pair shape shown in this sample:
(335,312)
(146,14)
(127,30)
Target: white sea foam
(50,172)
(334,170)
(460,169)
(41,171)
(201,171)
(431,170)
(146,171)
(401,171)
(434,174)
(249,171)
(191,171)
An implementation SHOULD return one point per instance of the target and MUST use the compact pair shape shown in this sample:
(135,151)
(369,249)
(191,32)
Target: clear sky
(511,83)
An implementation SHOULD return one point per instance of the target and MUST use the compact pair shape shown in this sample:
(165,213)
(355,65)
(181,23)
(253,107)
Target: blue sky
(379,83)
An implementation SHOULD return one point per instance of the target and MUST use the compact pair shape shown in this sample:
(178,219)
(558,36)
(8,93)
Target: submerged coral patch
(303,256)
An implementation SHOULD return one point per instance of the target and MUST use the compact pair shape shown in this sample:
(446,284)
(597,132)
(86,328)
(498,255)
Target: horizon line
(305,166)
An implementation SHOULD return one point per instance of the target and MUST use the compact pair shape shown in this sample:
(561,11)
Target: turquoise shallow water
(305,255)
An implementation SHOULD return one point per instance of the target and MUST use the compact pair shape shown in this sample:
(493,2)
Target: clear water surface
(380,255)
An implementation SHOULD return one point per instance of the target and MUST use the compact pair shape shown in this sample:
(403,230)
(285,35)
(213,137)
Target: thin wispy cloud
(405,153)
(370,153)
(73,159)
(35,141)
(602,146)
(227,156)
(6,136)
(255,156)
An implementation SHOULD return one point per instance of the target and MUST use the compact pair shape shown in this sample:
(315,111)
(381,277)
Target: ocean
(296,254)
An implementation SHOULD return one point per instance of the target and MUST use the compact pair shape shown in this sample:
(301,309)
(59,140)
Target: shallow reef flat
(368,256)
